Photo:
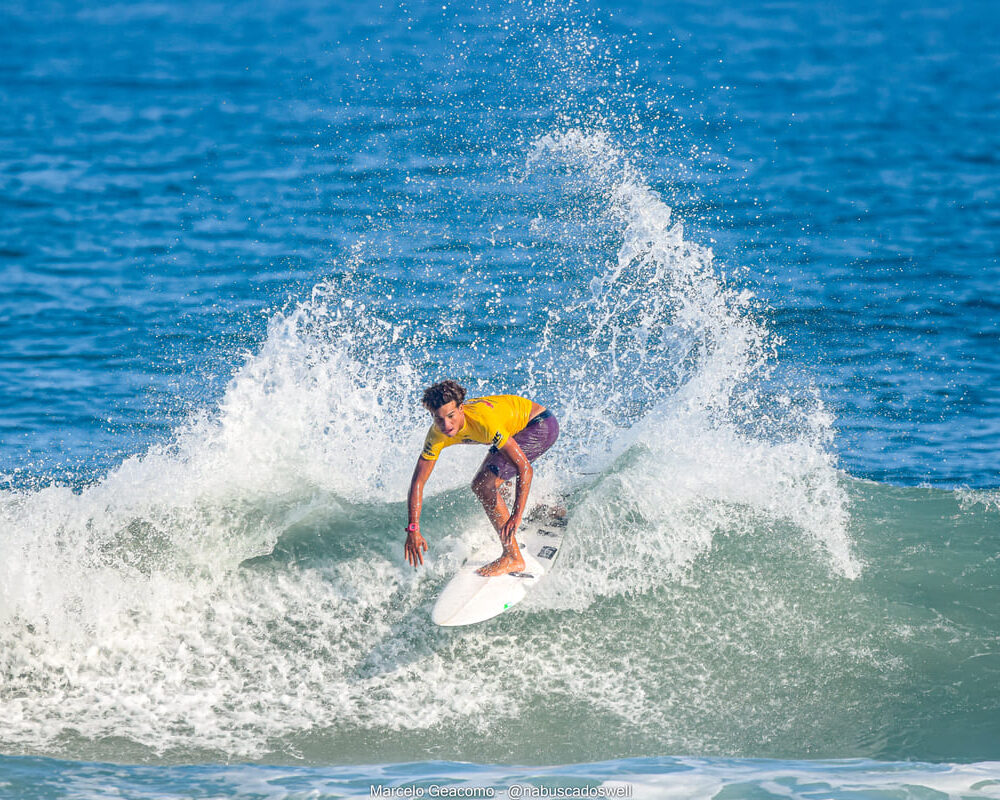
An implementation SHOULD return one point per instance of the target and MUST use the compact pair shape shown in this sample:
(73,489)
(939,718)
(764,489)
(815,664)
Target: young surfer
(517,430)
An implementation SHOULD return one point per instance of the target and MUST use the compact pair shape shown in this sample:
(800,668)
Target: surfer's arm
(414,541)
(513,451)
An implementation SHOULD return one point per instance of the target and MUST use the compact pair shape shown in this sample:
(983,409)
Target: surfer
(518,431)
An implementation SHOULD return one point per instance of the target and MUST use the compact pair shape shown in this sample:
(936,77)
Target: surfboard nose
(469,598)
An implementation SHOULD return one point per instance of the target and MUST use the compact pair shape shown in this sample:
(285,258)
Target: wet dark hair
(441,394)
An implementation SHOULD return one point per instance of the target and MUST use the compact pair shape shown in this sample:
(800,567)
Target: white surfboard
(468,598)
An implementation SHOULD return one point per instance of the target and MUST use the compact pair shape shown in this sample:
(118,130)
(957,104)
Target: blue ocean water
(748,253)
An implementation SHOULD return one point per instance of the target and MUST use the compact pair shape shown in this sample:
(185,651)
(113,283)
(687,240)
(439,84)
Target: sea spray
(240,589)
(659,353)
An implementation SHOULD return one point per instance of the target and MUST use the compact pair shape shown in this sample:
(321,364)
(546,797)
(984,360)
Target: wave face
(239,592)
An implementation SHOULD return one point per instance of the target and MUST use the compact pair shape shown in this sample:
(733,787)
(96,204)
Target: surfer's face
(449,418)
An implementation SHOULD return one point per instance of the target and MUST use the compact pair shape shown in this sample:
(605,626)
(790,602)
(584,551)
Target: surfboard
(469,598)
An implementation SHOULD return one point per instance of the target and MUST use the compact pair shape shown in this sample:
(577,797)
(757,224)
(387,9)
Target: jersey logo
(496,438)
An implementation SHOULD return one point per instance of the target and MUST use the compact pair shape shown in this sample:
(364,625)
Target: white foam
(986,499)
(124,609)
(707,778)
(660,329)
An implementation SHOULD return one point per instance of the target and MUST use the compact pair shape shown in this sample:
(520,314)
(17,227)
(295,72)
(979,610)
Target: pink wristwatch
(413,527)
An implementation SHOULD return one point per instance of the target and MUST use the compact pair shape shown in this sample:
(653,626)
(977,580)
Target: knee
(484,485)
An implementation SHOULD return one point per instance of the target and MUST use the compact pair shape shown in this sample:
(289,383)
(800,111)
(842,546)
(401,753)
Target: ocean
(747,253)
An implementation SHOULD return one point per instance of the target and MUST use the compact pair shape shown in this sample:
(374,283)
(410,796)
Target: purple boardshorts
(537,437)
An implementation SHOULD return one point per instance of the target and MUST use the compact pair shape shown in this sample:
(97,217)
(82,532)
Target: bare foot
(508,562)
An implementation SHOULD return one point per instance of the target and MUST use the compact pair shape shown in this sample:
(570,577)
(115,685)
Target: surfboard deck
(469,598)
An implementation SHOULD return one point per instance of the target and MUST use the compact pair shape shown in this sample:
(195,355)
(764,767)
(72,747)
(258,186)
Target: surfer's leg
(486,486)
(540,434)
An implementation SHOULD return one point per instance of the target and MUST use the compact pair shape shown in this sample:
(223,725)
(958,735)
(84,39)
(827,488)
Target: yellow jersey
(488,420)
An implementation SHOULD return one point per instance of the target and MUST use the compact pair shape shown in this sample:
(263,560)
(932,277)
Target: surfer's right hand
(414,541)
